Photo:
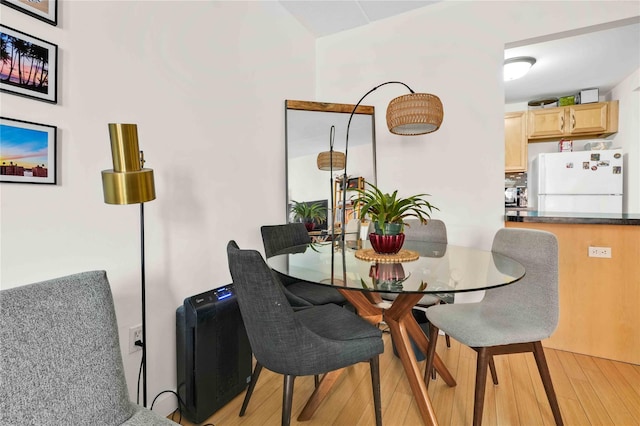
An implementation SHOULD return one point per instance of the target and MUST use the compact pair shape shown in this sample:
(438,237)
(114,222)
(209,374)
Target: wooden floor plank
(591,392)
(506,402)
(614,406)
(623,390)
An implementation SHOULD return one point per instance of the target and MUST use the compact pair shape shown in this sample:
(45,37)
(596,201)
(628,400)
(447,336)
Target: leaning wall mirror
(308,133)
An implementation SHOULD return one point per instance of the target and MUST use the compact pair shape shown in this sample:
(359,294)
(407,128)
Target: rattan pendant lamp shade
(325,158)
(414,114)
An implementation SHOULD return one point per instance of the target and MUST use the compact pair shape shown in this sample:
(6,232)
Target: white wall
(454,50)
(205,82)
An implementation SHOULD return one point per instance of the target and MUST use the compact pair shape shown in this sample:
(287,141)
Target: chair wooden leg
(374,364)
(543,368)
(481,381)
(252,385)
(492,368)
(287,399)
(431,352)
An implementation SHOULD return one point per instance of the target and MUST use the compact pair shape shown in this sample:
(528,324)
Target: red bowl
(386,244)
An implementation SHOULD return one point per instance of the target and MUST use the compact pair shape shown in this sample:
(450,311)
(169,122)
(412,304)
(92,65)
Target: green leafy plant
(313,212)
(384,208)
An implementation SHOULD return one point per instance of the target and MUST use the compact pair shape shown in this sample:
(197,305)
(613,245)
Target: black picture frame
(41,72)
(45,10)
(28,152)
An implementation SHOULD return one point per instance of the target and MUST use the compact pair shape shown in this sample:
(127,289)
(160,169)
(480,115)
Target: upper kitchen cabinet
(574,121)
(515,142)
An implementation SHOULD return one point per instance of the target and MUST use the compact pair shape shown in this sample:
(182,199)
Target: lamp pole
(144,313)
(346,148)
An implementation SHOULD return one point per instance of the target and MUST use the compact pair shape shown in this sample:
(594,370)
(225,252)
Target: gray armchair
(60,361)
(510,319)
(311,341)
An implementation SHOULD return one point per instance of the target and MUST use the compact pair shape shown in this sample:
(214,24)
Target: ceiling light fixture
(515,68)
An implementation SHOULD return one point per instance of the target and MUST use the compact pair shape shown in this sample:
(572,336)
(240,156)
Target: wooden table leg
(325,385)
(366,310)
(402,343)
(418,336)
(404,327)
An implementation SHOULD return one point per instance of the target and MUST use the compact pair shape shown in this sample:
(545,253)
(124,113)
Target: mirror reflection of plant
(384,208)
(305,212)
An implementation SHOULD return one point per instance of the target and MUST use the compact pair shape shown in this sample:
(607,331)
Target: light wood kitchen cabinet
(574,121)
(515,142)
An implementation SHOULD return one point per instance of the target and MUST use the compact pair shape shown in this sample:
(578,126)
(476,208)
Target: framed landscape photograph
(29,65)
(27,152)
(45,10)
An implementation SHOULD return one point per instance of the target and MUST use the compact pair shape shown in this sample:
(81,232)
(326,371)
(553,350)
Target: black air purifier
(213,352)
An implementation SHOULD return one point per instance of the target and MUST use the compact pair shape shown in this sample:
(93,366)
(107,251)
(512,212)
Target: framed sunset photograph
(45,10)
(27,152)
(29,65)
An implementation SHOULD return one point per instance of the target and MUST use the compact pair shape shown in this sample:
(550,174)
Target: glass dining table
(363,276)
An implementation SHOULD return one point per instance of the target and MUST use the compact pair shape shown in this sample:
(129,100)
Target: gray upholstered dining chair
(510,319)
(310,341)
(60,361)
(299,293)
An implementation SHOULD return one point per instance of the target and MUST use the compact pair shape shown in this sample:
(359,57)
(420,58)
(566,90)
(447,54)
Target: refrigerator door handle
(562,123)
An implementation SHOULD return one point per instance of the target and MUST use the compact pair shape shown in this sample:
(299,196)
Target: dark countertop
(533,216)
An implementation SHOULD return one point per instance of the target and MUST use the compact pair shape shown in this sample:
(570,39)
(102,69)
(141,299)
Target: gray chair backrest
(435,231)
(278,237)
(278,340)
(60,360)
(535,297)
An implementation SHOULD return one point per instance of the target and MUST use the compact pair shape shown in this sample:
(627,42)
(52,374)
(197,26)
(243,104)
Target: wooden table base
(404,328)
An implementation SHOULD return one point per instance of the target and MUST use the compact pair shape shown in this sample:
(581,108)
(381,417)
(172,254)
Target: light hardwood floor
(591,391)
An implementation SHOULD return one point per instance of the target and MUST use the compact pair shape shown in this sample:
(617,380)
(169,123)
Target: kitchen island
(599,296)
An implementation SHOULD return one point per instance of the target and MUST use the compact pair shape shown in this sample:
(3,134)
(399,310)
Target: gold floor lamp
(130,183)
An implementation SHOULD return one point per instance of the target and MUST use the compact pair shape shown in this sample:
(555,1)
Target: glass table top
(440,268)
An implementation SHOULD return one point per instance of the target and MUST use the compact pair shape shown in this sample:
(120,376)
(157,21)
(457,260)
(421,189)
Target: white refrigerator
(578,182)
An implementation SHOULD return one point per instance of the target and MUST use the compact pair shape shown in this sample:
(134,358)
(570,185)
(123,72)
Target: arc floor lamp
(409,115)
(130,183)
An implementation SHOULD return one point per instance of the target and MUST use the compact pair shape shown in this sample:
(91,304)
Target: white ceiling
(599,57)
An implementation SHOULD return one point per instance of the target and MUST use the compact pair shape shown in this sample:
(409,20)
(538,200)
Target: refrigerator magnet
(603,163)
(585,165)
(617,170)
(595,157)
(594,168)
(617,155)
(569,166)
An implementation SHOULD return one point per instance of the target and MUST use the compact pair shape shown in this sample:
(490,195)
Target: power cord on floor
(181,404)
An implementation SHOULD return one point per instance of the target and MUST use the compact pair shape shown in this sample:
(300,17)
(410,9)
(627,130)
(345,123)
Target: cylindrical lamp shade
(414,114)
(128,182)
(324,160)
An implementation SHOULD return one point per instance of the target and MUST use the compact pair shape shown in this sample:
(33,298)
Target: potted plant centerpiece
(387,212)
(309,213)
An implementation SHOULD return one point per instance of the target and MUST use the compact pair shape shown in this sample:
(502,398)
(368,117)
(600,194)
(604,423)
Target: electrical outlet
(600,252)
(135,334)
